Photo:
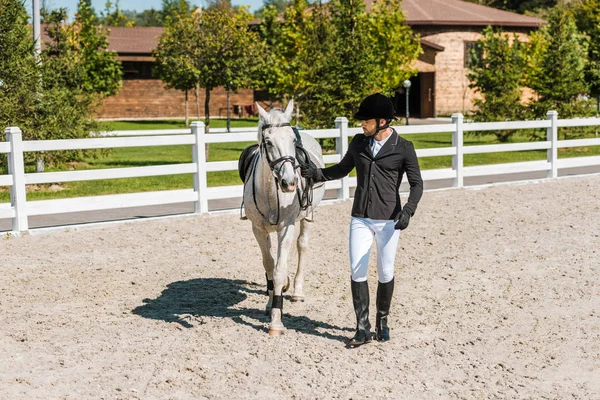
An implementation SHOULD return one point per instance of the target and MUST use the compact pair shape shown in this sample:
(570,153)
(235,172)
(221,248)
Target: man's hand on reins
(403,221)
(309,172)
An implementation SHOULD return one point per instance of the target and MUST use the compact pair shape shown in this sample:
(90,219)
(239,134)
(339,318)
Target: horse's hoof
(297,298)
(276,332)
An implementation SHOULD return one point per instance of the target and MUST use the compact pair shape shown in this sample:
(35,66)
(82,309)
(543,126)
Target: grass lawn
(133,157)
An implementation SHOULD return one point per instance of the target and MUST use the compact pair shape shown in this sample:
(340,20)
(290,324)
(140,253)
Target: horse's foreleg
(264,242)
(302,245)
(285,239)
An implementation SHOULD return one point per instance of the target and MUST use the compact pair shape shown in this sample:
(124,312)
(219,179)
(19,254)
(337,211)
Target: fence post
(341,147)
(457,142)
(16,168)
(199,158)
(552,137)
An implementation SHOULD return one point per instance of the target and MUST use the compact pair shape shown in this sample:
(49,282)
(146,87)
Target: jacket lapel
(389,146)
(367,147)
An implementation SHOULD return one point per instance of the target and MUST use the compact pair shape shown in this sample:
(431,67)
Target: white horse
(276,198)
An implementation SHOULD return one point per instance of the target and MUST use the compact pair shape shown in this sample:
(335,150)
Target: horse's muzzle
(288,186)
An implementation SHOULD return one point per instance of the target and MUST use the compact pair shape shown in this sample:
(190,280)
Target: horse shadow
(184,302)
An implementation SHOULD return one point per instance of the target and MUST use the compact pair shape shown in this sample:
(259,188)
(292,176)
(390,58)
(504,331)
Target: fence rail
(19,209)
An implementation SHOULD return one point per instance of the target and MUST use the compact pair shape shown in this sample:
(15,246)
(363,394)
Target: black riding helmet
(375,106)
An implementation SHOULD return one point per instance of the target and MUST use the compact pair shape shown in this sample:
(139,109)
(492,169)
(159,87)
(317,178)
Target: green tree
(19,74)
(174,9)
(588,22)
(346,73)
(279,5)
(40,96)
(558,69)
(288,43)
(113,17)
(227,52)
(149,17)
(357,53)
(82,46)
(208,49)
(498,78)
(397,47)
(175,56)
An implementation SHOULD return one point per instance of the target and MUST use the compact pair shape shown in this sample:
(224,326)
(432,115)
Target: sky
(136,5)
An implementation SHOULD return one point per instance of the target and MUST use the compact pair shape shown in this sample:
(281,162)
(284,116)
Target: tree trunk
(197,101)
(228,111)
(187,119)
(207,118)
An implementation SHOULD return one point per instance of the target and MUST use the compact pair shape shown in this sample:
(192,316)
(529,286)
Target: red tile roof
(456,12)
(133,40)
(136,40)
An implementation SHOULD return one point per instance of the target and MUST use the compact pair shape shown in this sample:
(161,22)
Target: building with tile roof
(449,30)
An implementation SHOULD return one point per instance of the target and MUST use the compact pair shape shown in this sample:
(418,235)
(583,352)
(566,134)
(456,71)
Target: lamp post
(406,84)
(36,28)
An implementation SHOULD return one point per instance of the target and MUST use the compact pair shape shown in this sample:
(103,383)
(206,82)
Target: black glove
(309,172)
(403,221)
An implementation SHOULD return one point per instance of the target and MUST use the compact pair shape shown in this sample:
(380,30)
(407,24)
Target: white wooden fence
(19,209)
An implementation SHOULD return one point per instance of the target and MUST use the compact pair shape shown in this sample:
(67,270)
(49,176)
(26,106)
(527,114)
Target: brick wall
(148,99)
(452,93)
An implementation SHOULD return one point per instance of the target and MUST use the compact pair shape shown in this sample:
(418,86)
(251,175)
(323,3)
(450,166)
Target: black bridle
(305,199)
(283,159)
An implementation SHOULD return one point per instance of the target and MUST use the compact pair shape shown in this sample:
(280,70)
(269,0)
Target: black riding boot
(384,299)
(360,299)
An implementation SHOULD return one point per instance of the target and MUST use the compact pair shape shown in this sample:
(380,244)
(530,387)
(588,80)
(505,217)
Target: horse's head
(277,142)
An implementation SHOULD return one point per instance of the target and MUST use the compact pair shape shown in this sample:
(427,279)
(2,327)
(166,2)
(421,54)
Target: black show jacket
(379,178)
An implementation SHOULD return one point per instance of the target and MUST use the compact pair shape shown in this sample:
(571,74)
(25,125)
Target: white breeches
(362,232)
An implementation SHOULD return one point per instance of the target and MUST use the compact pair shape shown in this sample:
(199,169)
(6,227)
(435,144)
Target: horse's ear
(261,111)
(289,110)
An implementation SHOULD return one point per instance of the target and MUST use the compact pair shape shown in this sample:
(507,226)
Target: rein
(305,199)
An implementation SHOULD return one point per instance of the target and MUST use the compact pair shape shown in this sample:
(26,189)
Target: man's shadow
(217,297)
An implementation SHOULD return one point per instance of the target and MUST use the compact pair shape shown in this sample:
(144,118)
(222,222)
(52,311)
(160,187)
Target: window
(137,70)
(473,53)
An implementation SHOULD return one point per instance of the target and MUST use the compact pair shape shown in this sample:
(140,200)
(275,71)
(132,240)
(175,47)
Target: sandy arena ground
(497,297)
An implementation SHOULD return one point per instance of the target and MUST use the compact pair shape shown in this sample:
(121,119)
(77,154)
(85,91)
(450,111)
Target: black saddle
(246,160)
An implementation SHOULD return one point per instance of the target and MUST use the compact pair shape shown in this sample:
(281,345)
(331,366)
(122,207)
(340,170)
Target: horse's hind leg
(302,246)
(264,242)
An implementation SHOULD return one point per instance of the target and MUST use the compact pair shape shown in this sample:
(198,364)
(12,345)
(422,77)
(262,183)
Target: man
(381,158)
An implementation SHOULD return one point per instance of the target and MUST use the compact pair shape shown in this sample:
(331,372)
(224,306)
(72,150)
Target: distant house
(448,29)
